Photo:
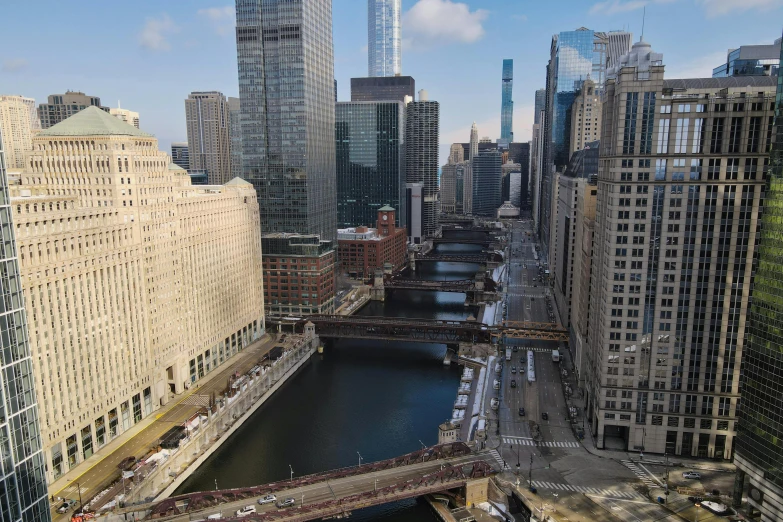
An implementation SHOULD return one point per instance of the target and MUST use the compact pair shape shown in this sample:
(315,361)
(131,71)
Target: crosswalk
(541,484)
(197,400)
(497,457)
(640,473)
(530,442)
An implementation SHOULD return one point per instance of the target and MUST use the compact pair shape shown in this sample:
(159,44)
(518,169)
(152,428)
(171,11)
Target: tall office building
(147,326)
(62,106)
(681,179)
(288,145)
(507,104)
(422,130)
(370,155)
(384,37)
(23,479)
(474,140)
(129,117)
(235,137)
(456,153)
(386,88)
(487,183)
(751,60)
(505,169)
(209,145)
(757,452)
(539,105)
(574,57)
(585,117)
(179,155)
(17,127)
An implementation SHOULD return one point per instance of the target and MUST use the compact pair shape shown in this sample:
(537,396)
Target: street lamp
(292,472)
(360,458)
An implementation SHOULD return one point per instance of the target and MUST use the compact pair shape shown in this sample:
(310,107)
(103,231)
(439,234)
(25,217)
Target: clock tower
(385,225)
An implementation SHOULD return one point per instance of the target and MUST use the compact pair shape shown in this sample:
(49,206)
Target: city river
(377,400)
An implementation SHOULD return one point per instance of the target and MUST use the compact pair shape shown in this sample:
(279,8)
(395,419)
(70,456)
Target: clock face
(385,217)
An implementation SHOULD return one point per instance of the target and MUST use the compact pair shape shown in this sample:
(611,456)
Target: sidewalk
(96,472)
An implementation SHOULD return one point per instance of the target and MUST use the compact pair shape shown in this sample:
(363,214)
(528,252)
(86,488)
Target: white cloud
(432,21)
(722,7)
(155,32)
(222,18)
(14,64)
(700,67)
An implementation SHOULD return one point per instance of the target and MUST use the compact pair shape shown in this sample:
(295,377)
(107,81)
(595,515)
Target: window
(735,134)
(666,109)
(663,136)
(660,169)
(681,136)
(716,141)
(629,132)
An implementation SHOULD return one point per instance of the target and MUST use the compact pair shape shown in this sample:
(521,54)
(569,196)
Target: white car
(714,507)
(691,475)
(245,511)
(267,499)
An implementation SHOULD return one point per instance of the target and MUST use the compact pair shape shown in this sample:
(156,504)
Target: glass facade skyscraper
(384,37)
(487,183)
(285,59)
(383,88)
(507,104)
(758,452)
(23,494)
(369,145)
(422,130)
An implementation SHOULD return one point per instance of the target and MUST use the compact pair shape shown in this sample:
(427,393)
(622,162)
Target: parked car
(66,505)
(286,503)
(521,412)
(245,511)
(267,499)
(545,415)
(216,516)
(691,475)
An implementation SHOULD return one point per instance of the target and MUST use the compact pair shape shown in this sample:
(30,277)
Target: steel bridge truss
(448,240)
(463,285)
(190,502)
(460,258)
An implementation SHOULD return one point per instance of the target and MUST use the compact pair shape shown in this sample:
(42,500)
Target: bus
(555,355)
(508,354)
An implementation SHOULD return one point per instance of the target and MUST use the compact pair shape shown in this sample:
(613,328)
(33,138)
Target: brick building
(361,250)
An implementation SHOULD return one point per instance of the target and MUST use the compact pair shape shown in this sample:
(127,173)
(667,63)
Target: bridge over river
(336,493)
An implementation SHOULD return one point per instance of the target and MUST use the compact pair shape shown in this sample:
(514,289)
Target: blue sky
(149,54)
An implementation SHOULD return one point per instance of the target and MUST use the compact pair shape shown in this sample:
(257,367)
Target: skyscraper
(62,106)
(384,37)
(16,125)
(487,183)
(574,57)
(209,145)
(23,478)
(179,155)
(757,451)
(422,128)
(540,105)
(129,117)
(474,140)
(507,104)
(286,87)
(383,88)
(585,117)
(456,153)
(751,60)
(680,183)
(370,153)
(235,137)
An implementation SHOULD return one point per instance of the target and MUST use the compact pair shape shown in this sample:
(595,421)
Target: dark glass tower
(369,144)
(285,58)
(23,496)
(507,104)
(759,452)
(487,183)
(422,123)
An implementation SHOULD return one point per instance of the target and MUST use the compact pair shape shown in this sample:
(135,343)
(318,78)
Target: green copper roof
(386,208)
(92,121)
(174,166)
(238,182)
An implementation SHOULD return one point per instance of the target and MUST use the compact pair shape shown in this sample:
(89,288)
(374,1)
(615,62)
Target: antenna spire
(644,15)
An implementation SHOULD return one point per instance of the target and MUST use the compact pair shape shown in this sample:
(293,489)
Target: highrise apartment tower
(681,179)
(235,137)
(507,104)
(129,117)
(209,145)
(17,127)
(384,37)
(540,105)
(180,155)
(23,478)
(62,106)
(757,452)
(422,124)
(286,87)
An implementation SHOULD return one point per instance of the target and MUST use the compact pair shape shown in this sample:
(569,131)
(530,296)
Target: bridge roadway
(479,259)
(428,330)
(341,491)
(459,286)
(447,240)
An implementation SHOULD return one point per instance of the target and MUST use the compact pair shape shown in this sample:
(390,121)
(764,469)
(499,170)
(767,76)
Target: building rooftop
(732,82)
(238,182)
(92,121)
(386,208)
(175,167)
